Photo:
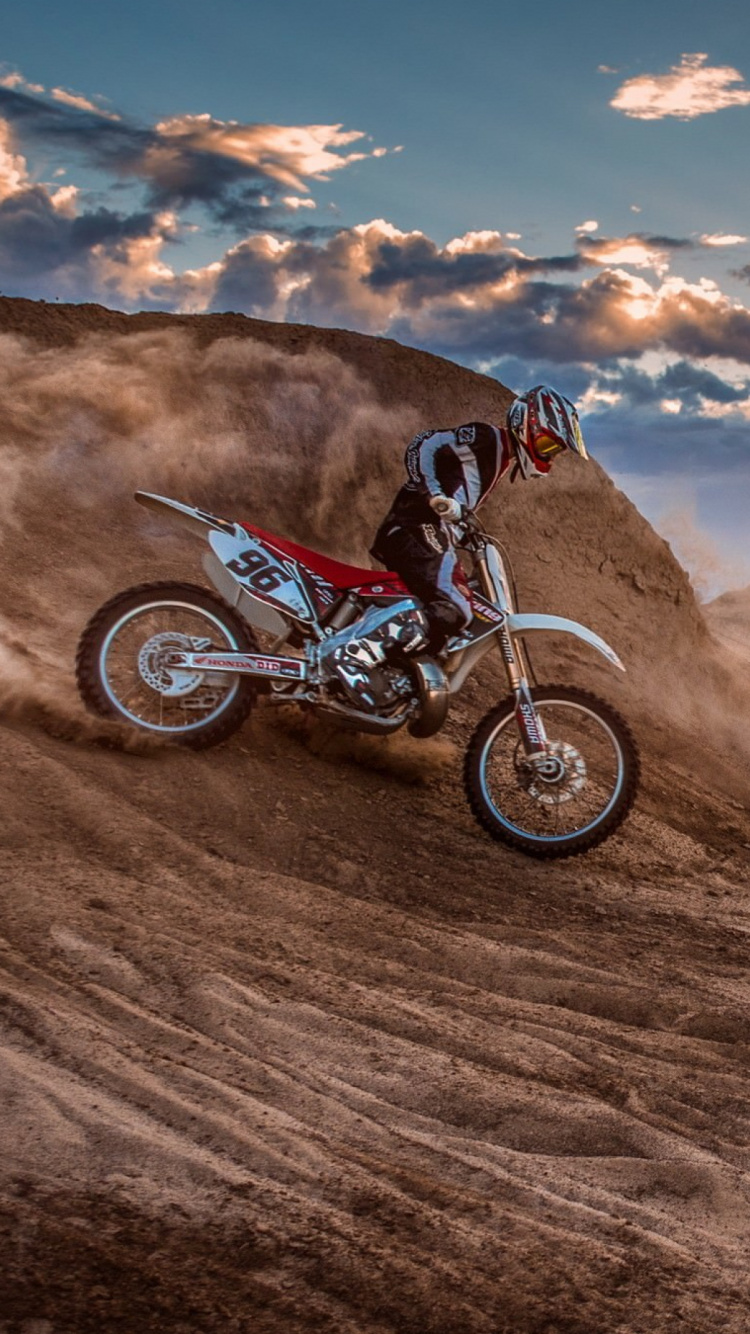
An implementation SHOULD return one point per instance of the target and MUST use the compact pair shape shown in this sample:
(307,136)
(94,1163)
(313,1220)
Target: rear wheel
(123,672)
(576,797)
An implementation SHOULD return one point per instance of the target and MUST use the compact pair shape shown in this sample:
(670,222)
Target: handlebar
(470,526)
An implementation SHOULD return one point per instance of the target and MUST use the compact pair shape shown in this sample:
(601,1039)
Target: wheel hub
(171,682)
(557,777)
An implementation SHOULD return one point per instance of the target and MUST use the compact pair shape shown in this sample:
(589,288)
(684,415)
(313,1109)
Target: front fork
(529,723)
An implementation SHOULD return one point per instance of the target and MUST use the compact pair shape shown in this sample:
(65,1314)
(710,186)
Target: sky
(542,192)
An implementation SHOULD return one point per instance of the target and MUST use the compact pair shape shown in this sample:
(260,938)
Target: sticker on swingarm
(252,663)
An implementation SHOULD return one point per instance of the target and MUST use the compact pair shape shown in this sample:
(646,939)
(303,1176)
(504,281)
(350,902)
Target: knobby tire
(88,677)
(575,843)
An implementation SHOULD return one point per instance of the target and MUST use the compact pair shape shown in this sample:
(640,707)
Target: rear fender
(195,520)
(265,587)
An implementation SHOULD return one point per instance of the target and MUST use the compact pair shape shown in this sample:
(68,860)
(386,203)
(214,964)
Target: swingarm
(247,664)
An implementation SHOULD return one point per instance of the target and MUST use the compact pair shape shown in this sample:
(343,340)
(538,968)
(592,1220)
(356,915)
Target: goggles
(546,447)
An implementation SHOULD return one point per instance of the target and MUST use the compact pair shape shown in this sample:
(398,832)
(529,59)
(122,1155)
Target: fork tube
(510,652)
(530,725)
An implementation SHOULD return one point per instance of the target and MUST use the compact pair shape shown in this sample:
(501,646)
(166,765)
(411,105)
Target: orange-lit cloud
(81,102)
(722,239)
(131,268)
(634,251)
(692,88)
(476,298)
(238,173)
(13,172)
(290,154)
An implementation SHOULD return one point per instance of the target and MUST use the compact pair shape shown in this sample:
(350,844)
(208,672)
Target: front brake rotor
(556,777)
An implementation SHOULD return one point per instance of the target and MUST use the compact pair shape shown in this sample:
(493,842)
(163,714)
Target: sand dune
(288,1043)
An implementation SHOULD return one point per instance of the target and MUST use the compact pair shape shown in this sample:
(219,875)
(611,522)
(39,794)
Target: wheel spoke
(554,808)
(580,792)
(138,643)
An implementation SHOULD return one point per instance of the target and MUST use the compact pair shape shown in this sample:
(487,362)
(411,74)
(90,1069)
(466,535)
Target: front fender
(522,623)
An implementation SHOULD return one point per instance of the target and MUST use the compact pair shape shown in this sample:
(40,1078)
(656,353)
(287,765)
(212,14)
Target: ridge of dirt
(729,618)
(287,1042)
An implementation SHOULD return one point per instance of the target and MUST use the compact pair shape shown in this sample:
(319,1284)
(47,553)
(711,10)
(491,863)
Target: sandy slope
(288,1043)
(729,618)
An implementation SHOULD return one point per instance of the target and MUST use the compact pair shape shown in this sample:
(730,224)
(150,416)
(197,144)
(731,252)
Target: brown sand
(288,1044)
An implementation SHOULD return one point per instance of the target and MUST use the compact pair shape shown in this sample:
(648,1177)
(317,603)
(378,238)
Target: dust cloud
(295,443)
(39,691)
(284,439)
(697,551)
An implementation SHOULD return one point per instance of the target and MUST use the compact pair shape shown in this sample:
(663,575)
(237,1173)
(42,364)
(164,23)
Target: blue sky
(541,191)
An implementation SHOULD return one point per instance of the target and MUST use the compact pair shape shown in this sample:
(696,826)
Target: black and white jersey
(463,463)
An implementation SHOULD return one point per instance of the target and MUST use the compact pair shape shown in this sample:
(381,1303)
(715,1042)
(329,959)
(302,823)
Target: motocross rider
(449,471)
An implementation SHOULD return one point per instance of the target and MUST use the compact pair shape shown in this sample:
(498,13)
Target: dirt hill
(288,1043)
(729,619)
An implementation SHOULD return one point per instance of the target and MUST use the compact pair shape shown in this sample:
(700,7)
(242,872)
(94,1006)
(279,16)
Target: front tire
(121,672)
(590,787)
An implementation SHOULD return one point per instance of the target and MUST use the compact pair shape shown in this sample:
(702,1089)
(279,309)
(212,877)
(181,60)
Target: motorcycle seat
(335,572)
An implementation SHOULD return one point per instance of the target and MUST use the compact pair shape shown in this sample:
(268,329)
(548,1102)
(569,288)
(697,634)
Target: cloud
(697,390)
(294,202)
(418,270)
(81,102)
(13,172)
(374,277)
(638,250)
(14,79)
(241,174)
(46,244)
(479,299)
(722,239)
(99,255)
(284,153)
(607,322)
(692,88)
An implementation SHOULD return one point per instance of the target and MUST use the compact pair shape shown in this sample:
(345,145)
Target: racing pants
(423,555)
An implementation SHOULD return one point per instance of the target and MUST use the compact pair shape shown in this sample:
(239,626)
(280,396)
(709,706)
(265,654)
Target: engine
(366,661)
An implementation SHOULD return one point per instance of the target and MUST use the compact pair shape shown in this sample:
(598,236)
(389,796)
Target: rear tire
(562,815)
(119,675)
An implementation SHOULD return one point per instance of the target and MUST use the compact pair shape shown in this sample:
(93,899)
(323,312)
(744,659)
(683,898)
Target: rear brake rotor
(170,681)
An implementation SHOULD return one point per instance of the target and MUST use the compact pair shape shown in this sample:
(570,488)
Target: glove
(446,508)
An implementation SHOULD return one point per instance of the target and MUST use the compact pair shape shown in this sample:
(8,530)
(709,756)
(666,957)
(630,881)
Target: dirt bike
(550,771)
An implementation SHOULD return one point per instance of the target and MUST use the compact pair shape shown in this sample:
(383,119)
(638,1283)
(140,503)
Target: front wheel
(123,663)
(573,800)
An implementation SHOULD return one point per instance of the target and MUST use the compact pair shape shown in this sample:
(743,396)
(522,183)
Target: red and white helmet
(540,425)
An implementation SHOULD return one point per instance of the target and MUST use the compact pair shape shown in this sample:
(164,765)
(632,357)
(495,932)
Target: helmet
(541,424)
